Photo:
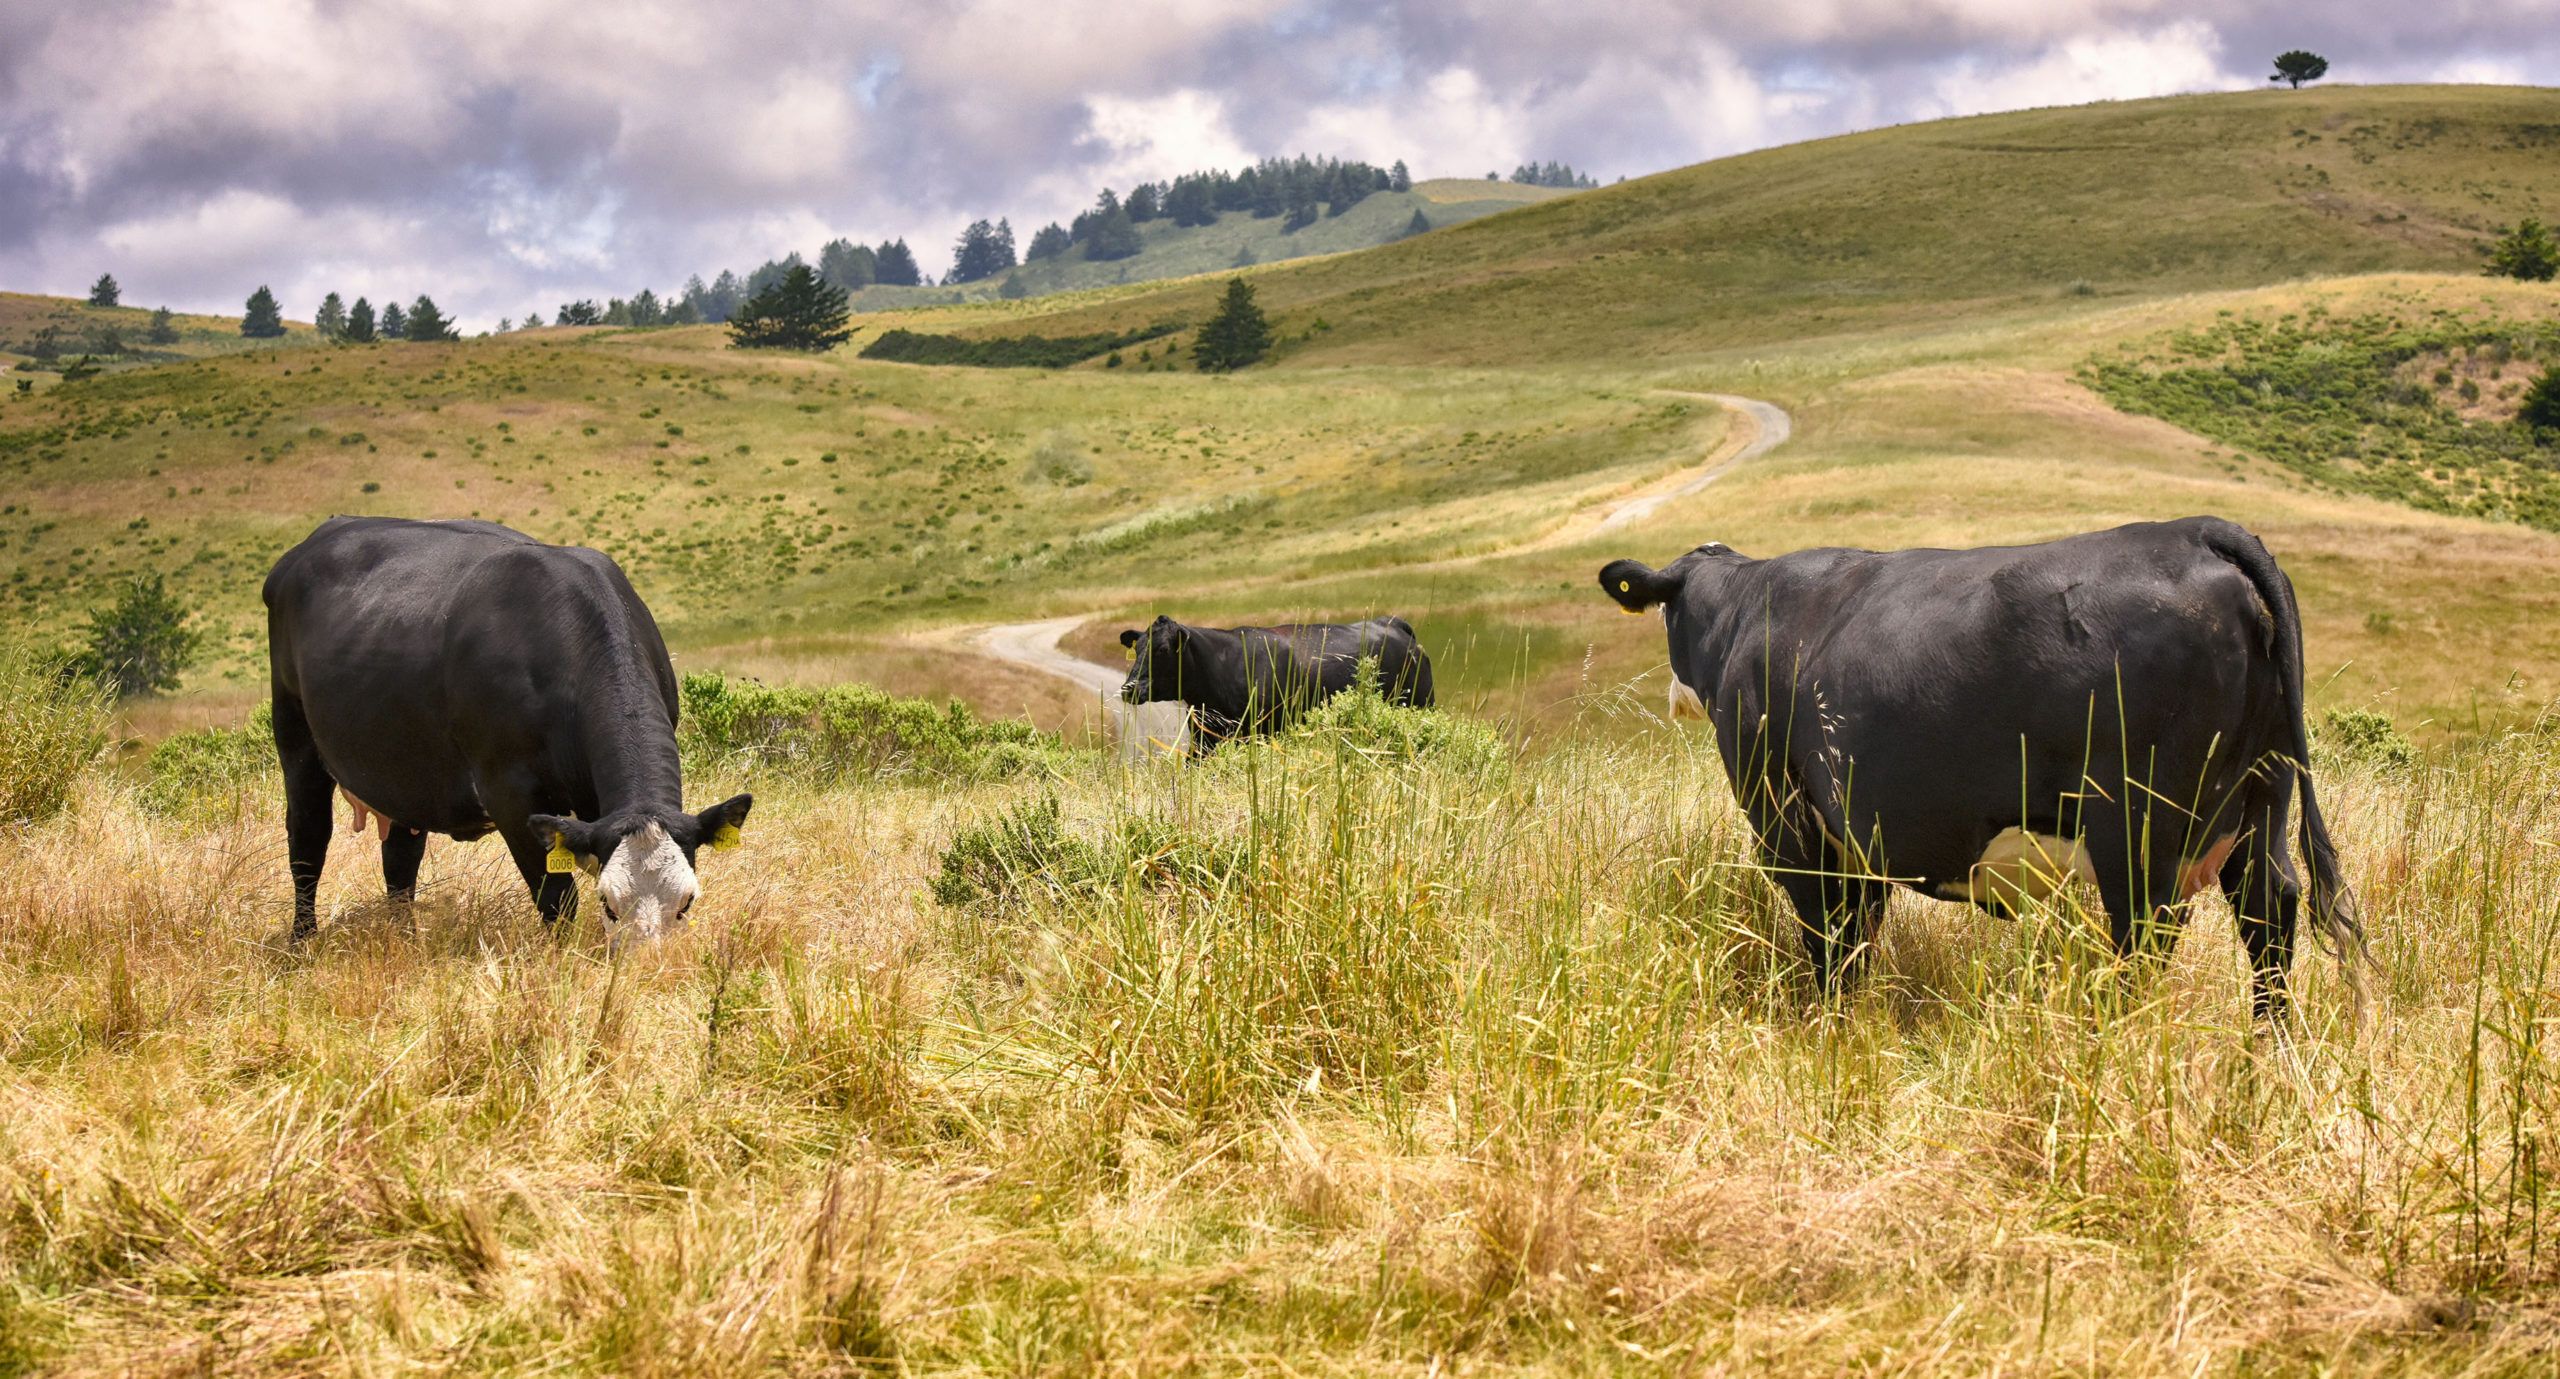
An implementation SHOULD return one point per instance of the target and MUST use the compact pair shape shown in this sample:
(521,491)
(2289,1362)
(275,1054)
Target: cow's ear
(718,826)
(1637,586)
(555,832)
(1129,637)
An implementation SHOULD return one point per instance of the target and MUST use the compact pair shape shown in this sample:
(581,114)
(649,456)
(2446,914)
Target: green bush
(1004,352)
(199,776)
(843,732)
(52,727)
(2364,737)
(140,643)
(1362,722)
(2529,251)
(1026,851)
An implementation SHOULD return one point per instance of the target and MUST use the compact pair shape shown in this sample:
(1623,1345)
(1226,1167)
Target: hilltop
(1237,239)
(76,328)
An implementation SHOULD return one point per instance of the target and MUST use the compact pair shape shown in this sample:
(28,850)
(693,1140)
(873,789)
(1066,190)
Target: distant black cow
(1241,681)
(1986,724)
(461,678)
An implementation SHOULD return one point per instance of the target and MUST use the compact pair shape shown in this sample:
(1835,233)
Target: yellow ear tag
(1129,654)
(726,837)
(558,861)
(1624,586)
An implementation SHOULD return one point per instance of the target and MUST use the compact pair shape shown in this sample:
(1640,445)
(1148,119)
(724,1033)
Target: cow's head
(642,860)
(1155,662)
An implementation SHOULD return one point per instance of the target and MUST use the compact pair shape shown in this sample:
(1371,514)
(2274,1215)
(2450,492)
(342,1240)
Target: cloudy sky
(509,154)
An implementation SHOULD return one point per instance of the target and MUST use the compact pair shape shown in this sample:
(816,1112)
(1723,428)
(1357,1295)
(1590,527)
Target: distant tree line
(1553,174)
(1005,352)
(342,323)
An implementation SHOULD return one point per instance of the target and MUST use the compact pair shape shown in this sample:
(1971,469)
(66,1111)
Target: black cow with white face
(462,678)
(1243,681)
(1987,725)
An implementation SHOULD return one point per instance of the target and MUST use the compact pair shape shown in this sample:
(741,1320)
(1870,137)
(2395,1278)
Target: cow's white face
(647,886)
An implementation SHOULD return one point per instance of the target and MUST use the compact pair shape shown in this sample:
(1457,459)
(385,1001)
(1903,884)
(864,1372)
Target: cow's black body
(1883,716)
(1241,681)
(462,678)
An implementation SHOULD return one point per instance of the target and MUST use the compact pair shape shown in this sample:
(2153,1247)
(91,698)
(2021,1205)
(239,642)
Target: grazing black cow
(1241,681)
(461,678)
(1985,725)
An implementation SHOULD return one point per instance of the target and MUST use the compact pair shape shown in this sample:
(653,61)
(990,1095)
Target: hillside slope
(114,337)
(1935,222)
(1237,239)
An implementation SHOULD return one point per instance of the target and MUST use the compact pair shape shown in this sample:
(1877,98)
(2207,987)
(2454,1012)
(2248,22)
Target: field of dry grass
(1308,1061)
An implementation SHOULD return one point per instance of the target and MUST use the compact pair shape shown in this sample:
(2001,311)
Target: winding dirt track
(1760,428)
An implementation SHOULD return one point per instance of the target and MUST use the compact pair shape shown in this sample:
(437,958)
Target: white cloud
(2185,56)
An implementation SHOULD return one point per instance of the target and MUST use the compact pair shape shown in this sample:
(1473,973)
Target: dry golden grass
(1504,1072)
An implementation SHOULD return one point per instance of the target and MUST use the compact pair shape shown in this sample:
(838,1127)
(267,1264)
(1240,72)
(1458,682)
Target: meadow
(1370,1051)
(1467,1041)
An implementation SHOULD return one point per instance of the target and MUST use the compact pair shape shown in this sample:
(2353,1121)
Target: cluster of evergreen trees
(1299,189)
(1553,174)
(352,324)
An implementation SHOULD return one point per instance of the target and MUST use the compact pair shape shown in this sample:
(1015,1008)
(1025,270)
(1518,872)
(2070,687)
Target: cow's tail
(1637,586)
(2333,905)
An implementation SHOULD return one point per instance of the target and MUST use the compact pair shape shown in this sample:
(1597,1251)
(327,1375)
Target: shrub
(1004,352)
(199,776)
(52,727)
(842,732)
(1361,721)
(1060,460)
(1023,852)
(140,643)
(2366,738)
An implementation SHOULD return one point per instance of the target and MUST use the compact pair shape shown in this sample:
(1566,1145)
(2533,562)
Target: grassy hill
(1237,239)
(1941,221)
(79,329)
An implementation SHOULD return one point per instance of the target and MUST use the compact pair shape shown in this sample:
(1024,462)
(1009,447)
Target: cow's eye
(612,916)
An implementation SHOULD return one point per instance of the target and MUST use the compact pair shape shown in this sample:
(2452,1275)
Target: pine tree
(360,323)
(1238,335)
(846,264)
(582,312)
(164,327)
(1419,225)
(395,322)
(1051,241)
(2528,251)
(426,324)
(646,309)
(104,291)
(984,250)
(331,318)
(262,320)
(505,324)
(1114,235)
(894,265)
(2541,409)
(1399,178)
(801,312)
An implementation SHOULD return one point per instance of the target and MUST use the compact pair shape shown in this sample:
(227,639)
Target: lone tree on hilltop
(104,291)
(262,320)
(1238,335)
(331,318)
(2528,251)
(425,323)
(801,312)
(360,323)
(164,327)
(2298,67)
(395,322)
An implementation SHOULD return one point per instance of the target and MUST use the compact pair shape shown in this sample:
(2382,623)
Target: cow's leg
(308,796)
(1836,914)
(2266,895)
(402,849)
(2138,882)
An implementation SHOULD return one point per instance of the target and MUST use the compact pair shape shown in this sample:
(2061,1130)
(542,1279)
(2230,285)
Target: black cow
(1241,681)
(1985,724)
(461,678)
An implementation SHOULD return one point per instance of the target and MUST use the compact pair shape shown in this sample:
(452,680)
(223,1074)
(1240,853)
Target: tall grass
(52,728)
(1327,1059)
